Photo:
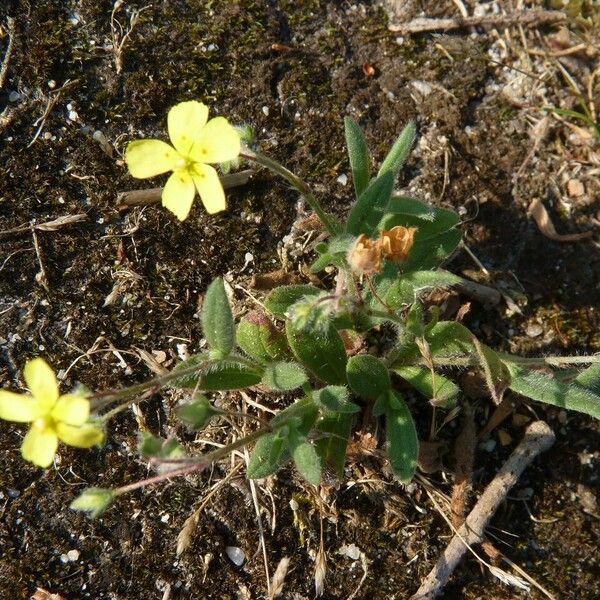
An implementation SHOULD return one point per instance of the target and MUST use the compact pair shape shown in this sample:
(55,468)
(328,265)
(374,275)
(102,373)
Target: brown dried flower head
(397,242)
(365,256)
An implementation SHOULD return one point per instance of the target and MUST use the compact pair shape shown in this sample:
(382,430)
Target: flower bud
(397,242)
(365,256)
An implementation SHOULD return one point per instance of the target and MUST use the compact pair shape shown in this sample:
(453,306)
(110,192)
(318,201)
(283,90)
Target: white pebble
(236,555)
(265,110)
(73,555)
(51,84)
(73,116)
(351,551)
(342,179)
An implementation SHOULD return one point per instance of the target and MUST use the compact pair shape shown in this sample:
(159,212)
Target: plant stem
(332,227)
(194,464)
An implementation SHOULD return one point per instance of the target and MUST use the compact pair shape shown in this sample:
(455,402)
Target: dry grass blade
(464,450)
(279,578)
(545,225)
(184,539)
(60,222)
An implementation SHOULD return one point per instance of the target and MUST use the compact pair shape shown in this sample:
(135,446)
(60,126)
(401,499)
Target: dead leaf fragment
(575,188)
(42,594)
(545,225)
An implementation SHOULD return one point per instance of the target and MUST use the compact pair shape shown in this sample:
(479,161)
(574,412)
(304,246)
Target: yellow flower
(52,417)
(196,142)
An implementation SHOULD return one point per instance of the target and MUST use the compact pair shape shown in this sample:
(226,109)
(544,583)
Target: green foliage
(322,353)
(551,390)
(259,338)
(93,501)
(284,376)
(440,390)
(397,156)
(280,299)
(333,253)
(368,377)
(198,413)
(369,208)
(334,399)
(401,435)
(305,457)
(268,455)
(358,153)
(407,289)
(212,375)
(217,320)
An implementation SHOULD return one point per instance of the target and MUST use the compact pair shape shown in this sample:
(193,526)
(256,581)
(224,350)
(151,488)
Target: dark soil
(292,70)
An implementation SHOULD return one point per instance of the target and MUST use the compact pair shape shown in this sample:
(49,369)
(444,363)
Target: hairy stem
(277,168)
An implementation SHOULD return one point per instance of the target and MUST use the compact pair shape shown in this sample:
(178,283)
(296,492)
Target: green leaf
(399,153)
(439,390)
(367,376)
(305,457)
(590,378)
(369,208)
(334,398)
(268,456)
(415,323)
(217,320)
(281,298)
(284,376)
(380,405)
(410,286)
(402,441)
(497,375)
(333,432)
(358,153)
(149,445)
(198,413)
(258,338)
(543,388)
(405,205)
(213,375)
(93,501)
(301,415)
(322,353)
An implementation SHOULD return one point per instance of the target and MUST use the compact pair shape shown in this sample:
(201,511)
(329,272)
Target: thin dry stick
(11,26)
(538,438)
(527,18)
(152,195)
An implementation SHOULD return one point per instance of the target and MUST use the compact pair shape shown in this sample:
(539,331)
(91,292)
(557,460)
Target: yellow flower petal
(185,122)
(39,445)
(147,158)
(84,436)
(178,194)
(71,409)
(41,382)
(18,408)
(209,187)
(218,142)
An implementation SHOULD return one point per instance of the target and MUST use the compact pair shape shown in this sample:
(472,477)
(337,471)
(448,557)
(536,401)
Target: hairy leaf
(217,320)
(369,208)
(437,388)
(402,441)
(367,376)
(399,153)
(358,153)
(284,376)
(281,298)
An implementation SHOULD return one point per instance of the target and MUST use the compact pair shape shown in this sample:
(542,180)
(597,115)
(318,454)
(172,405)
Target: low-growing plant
(340,351)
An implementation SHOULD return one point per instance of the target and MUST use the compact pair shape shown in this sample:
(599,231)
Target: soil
(98,290)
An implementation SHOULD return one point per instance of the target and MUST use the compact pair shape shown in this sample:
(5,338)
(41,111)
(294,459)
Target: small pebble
(534,330)
(73,555)
(265,110)
(235,555)
(12,493)
(51,84)
(342,179)
(14,97)
(351,551)
(575,188)
(489,445)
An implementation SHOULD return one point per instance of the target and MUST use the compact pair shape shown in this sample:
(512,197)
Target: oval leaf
(284,376)
(217,320)
(358,153)
(322,353)
(367,376)
(402,441)
(281,298)
(369,208)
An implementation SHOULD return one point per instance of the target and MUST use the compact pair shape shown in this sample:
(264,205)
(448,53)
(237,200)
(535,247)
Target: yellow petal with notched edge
(147,158)
(39,445)
(41,381)
(178,194)
(18,408)
(84,436)
(209,187)
(71,409)
(185,122)
(218,142)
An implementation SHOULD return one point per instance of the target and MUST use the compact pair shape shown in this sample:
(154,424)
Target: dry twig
(538,438)
(152,195)
(527,18)
(11,27)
